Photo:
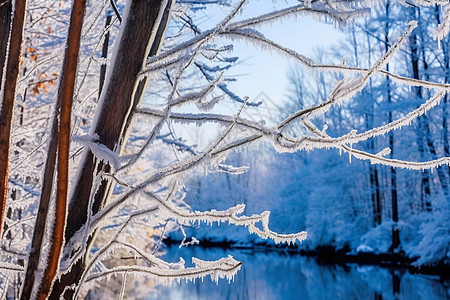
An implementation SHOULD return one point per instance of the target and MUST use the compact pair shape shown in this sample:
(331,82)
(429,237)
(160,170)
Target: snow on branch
(233,170)
(318,10)
(186,148)
(100,151)
(394,125)
(257,38)
(226,267)
(285,143)
(379,159)
(178,143)
(159,269)
(176,168)
(201,118)
(231,215)
(204,70)
(396,163)
(347,88)
(242,29)
(444,28)
(196,96)
(311,64)
(10,267)
(181,51)
(352,137)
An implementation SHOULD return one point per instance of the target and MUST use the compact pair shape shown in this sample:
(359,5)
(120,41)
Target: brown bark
(5,23)
(44,201)
(67,85)
(9,96)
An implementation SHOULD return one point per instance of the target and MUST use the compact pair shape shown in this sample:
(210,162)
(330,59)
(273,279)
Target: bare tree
(110,192)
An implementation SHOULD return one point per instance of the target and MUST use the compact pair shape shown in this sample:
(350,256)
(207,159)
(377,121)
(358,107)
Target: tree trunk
(41,218)
(104,53)
(446,70)
(425,182)
(67,86)
(5,26)
(428,135)
(375,190)
(393,173)
(8,99)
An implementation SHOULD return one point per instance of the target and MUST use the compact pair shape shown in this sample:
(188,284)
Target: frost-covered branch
(317,11)
(223,268)
(201,118)
(231,216)
(10,267)
(379,159)
(444,28)
(160,174)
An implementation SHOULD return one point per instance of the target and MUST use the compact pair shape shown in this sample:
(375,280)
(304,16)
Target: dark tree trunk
(104,53)
(446,70)
(393,173)
(429,138)
(375,193)
(375,189)
(425,181)
(8,98)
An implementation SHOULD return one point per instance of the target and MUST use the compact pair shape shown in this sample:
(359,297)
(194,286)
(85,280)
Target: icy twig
(10,267)
(226,267)
(231,215)
(379,159)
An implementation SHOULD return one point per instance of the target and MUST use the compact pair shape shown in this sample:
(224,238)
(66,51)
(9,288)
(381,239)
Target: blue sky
(265,70)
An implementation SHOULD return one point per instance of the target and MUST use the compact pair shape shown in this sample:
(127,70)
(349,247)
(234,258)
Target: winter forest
(125,135)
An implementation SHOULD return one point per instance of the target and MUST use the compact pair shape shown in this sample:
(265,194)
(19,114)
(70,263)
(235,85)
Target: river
(278,275)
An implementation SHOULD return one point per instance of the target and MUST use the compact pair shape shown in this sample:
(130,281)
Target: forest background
(110,121)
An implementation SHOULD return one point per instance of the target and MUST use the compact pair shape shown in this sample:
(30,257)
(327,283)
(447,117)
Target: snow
(191,163)
(101,152)
(364,249)
(225,268)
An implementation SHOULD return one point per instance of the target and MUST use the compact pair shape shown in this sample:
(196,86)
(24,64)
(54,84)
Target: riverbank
(329,255)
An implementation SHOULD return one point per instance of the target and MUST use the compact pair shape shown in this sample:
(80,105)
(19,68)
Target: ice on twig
(100,151)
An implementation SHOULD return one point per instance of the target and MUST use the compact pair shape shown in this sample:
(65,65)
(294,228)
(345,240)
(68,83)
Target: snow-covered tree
(393,205)
(120,171)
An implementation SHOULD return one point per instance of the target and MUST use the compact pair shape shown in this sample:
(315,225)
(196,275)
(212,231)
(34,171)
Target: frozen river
(280,276)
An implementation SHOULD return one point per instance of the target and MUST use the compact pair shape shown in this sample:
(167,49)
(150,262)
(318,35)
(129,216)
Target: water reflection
(280,276)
